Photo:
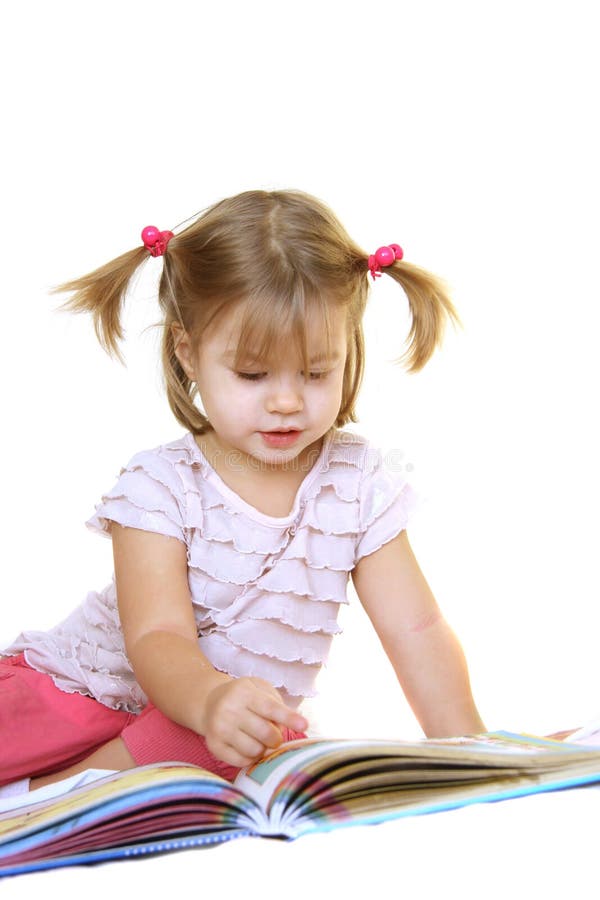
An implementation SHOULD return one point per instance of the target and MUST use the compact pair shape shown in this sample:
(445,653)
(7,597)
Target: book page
(148,784)
(261,780)
(328,778)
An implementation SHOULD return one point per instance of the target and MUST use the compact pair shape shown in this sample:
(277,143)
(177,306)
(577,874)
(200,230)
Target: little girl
(233,544)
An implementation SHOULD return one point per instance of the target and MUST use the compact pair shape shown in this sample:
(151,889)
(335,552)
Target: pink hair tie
(385,256)
(155,241)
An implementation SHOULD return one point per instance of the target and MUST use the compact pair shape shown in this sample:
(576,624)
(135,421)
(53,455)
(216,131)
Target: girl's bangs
(274,326)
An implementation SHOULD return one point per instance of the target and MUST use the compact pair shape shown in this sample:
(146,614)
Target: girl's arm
(424,652)
(237,716)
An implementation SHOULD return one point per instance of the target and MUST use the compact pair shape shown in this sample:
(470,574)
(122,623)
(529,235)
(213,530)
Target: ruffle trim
(123,512)
(142,498)
(72,677)
(288,609)
(278,641)
(296,680)
(86,653)
(282,574)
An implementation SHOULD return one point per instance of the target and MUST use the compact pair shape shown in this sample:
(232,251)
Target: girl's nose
(285,398)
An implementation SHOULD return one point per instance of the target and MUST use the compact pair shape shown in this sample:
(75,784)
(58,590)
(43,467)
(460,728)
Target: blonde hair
(281,253)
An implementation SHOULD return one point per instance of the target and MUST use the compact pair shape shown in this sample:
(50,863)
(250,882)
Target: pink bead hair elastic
(155,241)
(385,256)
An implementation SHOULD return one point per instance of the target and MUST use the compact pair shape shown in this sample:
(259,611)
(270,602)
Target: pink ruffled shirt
(266,590)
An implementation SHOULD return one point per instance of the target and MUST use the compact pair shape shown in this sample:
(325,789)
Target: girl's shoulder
(162,464)
(149,492)
(349,446)
(376,482)
(378,479)
(175,453)
(174,464)
(351,451)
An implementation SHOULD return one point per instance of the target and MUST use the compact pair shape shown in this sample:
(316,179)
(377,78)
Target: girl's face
(274,413)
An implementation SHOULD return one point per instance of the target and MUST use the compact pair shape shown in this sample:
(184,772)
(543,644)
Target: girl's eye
(256,376)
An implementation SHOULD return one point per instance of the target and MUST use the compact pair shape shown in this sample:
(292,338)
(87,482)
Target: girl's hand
(243,718)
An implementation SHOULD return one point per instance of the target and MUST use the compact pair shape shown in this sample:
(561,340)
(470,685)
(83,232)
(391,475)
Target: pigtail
(102,293)
(431,309)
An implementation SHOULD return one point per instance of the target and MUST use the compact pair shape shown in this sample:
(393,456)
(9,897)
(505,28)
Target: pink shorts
(44,729)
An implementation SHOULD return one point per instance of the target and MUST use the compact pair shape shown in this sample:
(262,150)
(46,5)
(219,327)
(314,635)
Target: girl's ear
(182,346)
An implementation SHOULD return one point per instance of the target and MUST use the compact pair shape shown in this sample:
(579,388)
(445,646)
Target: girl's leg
(113,755)
(151,738)
(44,729)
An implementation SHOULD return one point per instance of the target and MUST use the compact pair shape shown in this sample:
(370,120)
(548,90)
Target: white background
(465,131)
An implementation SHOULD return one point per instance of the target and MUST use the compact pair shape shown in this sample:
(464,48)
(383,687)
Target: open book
(304,786)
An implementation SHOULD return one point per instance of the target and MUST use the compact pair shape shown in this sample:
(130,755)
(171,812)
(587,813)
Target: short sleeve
(148,495)
(386,502)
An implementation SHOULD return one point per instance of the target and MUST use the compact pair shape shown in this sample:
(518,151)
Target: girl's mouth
(280,438)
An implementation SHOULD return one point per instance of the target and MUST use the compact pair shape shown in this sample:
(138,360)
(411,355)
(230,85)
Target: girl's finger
(232,757)
(269,708)
(247,746)
(263,730)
